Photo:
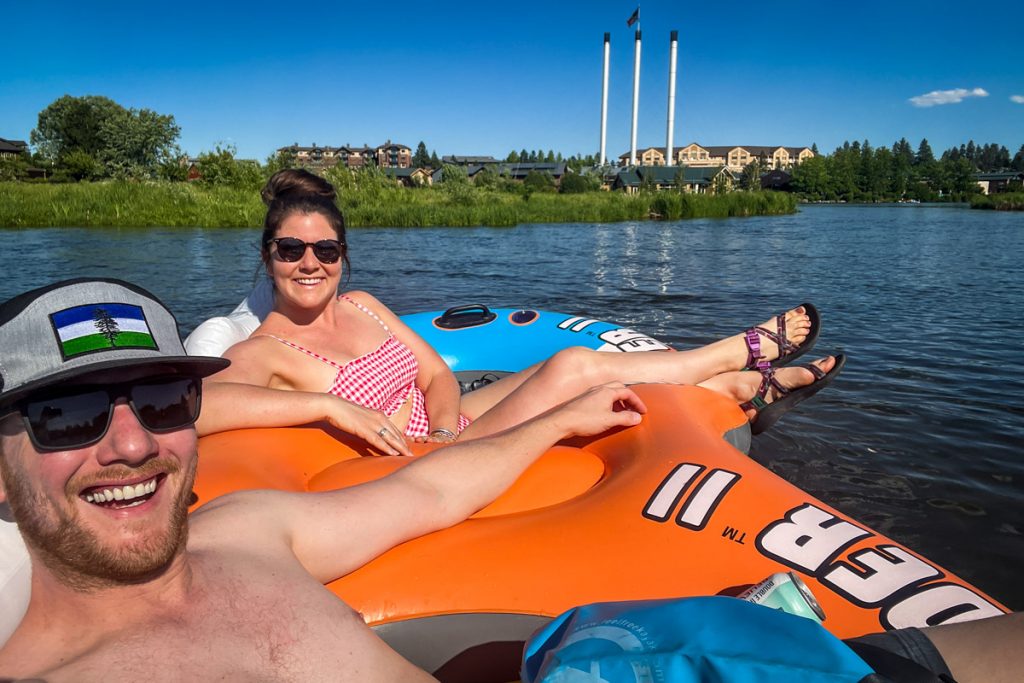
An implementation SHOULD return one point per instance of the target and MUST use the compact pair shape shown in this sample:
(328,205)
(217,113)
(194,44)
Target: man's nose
(126,440)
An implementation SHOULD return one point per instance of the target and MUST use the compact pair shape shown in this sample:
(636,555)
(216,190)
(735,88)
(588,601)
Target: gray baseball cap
(73,329)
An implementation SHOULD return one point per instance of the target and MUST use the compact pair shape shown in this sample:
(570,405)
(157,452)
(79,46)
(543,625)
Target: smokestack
(604,98)
(636,97)
(673,39)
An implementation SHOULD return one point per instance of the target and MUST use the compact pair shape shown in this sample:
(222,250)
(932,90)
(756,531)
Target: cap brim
(193,366)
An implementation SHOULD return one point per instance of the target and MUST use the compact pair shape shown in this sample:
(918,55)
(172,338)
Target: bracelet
(441,431)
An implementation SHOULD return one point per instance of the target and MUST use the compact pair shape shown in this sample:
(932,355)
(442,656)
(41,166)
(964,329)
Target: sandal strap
(816,371)
(755,359)
(768,382)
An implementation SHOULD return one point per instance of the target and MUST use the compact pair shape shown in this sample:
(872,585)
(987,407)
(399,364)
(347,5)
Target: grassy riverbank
(1009,201)
(170,204)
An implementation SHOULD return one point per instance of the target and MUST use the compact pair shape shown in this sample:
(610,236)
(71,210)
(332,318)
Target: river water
(920,437)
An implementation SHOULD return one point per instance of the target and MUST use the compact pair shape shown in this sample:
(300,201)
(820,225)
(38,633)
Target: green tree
(69,123)
(220,167)
(513,157)
(811,178)
(279,161)
(454,175)
(750,177)
(137,141)
(924,154)
(486,178)
(1018,160)
(421,158)
(128,142)
(435,163)
(575,183)
(536,181)
(80,165)
(524,156)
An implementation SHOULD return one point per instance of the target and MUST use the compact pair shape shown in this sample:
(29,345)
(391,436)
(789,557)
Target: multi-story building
(387,155)
(393,155)
(651,156)
(734,158)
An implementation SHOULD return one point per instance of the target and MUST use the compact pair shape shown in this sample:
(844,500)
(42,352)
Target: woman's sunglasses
(291,249)
(79,416)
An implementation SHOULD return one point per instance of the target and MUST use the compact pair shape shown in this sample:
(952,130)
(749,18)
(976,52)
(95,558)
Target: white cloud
(946,96)
(1019,99)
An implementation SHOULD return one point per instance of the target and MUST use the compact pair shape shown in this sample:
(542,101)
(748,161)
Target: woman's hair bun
(295,183)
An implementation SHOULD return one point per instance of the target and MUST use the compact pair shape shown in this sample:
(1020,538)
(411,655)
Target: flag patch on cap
(101,327)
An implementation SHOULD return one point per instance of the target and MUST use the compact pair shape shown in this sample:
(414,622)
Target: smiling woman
(351,361)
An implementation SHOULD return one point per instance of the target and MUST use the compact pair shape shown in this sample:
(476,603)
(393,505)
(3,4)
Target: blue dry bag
(693,639)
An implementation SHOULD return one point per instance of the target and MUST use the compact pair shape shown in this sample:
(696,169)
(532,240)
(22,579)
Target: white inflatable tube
(215,336)
(15,575)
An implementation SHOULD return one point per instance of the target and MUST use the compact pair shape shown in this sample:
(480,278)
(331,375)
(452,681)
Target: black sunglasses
(79,416)
(291,249)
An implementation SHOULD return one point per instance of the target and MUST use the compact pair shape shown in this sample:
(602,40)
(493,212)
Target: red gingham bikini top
(383,379)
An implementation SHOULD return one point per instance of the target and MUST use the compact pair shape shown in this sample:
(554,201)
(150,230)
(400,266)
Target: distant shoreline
(125,204)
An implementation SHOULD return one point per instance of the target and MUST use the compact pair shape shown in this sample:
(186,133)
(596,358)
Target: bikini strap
(304,350)
(366,310)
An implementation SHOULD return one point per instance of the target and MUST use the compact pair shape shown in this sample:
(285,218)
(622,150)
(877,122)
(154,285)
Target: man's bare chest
(265,630)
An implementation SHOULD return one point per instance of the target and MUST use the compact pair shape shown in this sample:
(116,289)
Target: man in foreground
(97,459)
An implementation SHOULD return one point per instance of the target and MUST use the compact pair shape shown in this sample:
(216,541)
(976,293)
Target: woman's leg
(570,372)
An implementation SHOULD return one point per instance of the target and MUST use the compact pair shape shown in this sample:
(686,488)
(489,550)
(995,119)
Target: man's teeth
(121,492)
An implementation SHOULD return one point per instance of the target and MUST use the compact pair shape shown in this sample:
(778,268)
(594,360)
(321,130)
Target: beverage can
(787,592)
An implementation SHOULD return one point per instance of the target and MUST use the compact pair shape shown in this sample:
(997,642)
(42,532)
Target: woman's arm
(435,379)
(239,397)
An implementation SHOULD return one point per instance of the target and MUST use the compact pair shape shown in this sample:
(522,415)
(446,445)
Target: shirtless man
(97,459)
(98,401)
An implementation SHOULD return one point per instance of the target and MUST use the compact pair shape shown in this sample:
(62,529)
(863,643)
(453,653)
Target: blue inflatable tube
(477,338)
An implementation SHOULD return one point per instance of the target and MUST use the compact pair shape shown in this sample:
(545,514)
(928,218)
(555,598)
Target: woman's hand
(370,425)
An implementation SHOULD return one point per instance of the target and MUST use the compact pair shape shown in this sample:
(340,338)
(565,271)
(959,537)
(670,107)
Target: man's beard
(80,559)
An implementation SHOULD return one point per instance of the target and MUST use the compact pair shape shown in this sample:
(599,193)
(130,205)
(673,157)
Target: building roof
(521,170)
(665,175)
(1000,175)
(627,178)
(393,145)
(465,160)
(399,172)
(15,146)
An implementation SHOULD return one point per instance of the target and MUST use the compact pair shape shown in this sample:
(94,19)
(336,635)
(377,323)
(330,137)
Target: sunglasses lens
(327,251)
(166,405)
(68,421)
(290,249)
(75,420)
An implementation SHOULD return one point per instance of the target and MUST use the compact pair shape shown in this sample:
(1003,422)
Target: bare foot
(733,352)
(743,386)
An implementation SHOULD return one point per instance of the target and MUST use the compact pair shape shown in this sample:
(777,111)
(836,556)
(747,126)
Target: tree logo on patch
(106,324)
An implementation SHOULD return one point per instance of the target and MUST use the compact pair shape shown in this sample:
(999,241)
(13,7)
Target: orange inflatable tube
(667,508)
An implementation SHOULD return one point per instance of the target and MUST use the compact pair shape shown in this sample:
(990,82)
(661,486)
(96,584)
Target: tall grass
(167,204)
(1006,201)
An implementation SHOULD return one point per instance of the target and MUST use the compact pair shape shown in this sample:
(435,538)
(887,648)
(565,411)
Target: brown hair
(296,190)
(292,182)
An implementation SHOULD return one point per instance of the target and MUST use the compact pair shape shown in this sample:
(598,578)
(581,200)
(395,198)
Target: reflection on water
(920,438)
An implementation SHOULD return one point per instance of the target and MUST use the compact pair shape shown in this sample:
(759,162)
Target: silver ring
(382,432)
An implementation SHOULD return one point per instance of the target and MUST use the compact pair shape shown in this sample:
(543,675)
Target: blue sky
(486,78)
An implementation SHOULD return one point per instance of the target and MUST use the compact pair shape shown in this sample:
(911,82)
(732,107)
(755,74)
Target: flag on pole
(633,18)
